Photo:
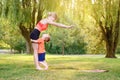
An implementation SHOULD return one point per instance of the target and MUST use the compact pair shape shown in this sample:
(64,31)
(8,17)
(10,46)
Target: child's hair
(48,39)
(46,36)
(52,14)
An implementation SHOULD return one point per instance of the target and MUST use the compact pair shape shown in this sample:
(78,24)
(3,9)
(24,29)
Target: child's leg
(45,64)
(35,48)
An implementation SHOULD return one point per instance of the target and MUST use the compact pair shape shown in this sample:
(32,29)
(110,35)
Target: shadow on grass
(2,69)
(71,68)
(67,68)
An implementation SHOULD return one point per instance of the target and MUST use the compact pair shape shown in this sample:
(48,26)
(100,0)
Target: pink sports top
(41,27)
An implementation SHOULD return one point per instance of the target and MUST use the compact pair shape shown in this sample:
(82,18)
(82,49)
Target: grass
(21,67)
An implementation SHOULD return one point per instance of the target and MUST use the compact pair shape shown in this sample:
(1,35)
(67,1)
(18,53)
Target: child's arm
(59,24)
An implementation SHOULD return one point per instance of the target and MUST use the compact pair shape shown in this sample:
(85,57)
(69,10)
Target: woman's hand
(71,26)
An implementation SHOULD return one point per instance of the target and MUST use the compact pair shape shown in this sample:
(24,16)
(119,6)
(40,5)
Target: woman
(41,26)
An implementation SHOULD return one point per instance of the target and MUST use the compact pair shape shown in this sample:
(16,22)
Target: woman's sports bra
(41,27)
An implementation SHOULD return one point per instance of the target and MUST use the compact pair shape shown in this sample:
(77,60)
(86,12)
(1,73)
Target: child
(41,50)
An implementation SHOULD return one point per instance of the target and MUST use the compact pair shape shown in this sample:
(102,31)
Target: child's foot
(46,69)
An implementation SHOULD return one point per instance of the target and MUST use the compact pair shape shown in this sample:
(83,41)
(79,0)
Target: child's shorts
(41,56)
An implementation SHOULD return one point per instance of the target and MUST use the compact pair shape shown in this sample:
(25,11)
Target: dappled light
(59,39)
(95,31)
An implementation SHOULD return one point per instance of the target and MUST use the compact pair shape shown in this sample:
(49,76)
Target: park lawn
(68,67)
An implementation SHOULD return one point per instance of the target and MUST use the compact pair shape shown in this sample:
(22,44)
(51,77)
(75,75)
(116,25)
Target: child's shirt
(41,47)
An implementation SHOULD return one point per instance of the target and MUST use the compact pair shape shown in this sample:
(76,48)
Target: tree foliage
(96,24)
(107,17)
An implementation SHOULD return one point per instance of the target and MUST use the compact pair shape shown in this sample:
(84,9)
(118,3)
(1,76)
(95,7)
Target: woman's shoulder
(47,21)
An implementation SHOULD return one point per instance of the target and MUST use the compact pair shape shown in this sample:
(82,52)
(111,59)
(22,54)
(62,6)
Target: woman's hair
(52,14)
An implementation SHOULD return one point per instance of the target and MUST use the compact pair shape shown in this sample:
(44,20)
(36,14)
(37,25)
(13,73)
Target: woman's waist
(41,27)
(36,28)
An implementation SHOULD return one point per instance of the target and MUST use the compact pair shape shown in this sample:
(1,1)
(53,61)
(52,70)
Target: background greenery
(18,18)
(96,31)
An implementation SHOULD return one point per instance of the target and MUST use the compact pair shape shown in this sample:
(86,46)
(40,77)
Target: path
(5,51)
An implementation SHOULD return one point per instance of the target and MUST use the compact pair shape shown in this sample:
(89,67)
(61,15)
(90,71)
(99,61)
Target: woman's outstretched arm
(59,24)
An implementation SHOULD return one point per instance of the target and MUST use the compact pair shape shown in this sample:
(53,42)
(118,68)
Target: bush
(74,48)
(20,46)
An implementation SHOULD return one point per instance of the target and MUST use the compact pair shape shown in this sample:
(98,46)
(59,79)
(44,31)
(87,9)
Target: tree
(31,13)
(64,40)
(107,16)
(25,14)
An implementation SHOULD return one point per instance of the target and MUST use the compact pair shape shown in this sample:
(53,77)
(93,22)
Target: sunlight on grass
(21,67)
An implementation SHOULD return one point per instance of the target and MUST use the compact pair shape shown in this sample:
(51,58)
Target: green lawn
(21,67)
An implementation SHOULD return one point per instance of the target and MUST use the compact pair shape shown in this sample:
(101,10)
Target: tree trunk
(110,50)
(26,34)
(63,47)
(29,47)
(111,45)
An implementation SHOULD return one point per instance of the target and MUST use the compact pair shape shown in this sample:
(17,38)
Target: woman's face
(53,18)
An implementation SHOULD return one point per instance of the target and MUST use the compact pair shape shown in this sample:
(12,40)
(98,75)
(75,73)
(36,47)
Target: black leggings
(35,34)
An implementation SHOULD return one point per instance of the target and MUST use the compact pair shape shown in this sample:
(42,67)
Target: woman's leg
(35,48)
